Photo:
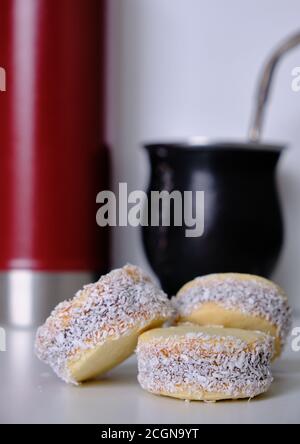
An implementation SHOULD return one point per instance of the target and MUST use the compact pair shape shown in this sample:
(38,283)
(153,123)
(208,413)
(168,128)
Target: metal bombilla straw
(264,86)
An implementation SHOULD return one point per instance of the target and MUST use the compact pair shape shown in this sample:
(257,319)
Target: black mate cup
(243,227)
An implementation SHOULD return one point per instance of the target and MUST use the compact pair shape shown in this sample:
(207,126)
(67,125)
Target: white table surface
(31,393)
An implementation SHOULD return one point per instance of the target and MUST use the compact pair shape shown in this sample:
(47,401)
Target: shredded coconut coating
(249,294)
(198,364)
(120,301)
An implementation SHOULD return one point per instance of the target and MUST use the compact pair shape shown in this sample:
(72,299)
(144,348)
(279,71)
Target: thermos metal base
(28,297)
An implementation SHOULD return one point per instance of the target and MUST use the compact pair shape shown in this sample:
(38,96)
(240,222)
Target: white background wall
(188,67)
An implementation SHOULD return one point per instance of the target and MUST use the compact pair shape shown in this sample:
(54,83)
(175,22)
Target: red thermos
(52,157)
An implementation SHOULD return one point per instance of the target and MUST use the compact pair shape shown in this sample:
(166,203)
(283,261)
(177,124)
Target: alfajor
(97,329)
(204,363)
(238,301)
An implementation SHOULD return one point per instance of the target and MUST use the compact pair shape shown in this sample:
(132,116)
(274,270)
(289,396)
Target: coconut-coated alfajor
(204,363)
(238,301)
(97,329)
